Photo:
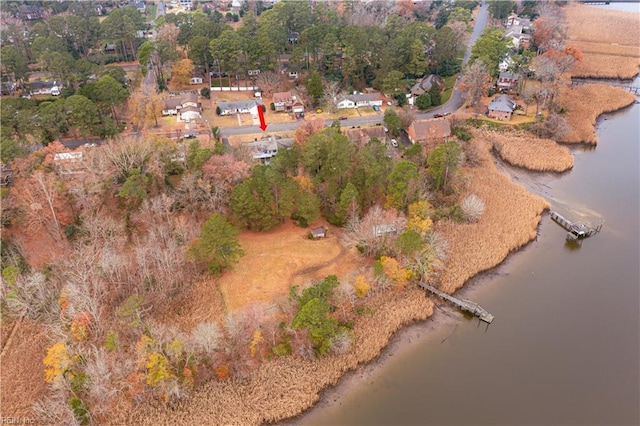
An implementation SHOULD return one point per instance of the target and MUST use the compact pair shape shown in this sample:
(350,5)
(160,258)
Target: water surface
(564,348)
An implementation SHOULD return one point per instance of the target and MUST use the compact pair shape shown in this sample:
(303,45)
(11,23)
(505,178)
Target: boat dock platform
(465,305)
(576,230)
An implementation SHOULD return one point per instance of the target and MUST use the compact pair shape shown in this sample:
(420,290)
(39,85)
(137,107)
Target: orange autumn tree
(182,71)
(393,271)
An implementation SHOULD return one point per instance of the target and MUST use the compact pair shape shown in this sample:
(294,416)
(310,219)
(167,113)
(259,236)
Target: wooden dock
(465,305)
(576,230)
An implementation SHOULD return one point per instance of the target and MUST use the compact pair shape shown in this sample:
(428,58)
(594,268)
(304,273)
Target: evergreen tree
(217,247)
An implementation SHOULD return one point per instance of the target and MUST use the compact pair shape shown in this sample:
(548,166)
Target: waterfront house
(502,107)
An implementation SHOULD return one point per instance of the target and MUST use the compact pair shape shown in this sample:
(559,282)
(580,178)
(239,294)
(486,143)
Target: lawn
(273,262)
(449,82)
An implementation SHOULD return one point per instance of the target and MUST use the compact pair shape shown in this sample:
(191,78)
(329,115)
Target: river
(565,345)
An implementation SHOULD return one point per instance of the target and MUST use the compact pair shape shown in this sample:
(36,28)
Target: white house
(45,88)
(186,107)
(360,100)
(239,107)
(195,80)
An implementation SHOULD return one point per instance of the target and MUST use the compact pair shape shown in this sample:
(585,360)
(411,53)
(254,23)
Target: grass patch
(151,11)
(449,82)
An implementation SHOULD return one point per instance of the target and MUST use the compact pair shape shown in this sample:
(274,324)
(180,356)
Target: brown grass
(285,387)
(276,260)
(509,222)
(525,150)
(585,103)
(608,39)
(22,372)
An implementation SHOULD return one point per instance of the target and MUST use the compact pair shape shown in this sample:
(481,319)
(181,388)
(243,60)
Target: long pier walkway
(465,305)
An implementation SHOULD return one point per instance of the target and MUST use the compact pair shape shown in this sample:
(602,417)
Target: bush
(205,92)
(423,101)
(218,111)
(472,208)
(272,106)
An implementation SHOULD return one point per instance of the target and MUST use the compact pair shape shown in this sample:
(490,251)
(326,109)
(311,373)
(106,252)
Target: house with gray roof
(424,85)
(502,107)
(267,148)
(239,107)
(360,100)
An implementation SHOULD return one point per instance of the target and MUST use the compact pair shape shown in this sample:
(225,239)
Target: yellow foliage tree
(255,342)
(57,362)
(182,71)
(419,219)
(174,350)
(158,368)
(304,182)
(361,286)
(392,269)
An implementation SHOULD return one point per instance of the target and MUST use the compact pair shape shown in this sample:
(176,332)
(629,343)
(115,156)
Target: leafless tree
(331,95)
(371,13)
(555,127)
(429,262)
(54,409)
(33,297)
(460,30)
(101,388)
(406,117)
(477,81)
(125,154)
(169,32)
(206,337)
(341,343)
(377,231)
(270,82)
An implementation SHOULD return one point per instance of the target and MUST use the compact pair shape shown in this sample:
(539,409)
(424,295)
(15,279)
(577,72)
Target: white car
(394,143)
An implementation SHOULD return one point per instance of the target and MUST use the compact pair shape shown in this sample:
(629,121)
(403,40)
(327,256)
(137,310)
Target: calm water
(565,346)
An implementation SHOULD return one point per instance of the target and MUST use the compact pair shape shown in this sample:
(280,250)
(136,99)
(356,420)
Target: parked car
(190,136)
(444,114)
(344,117)
(438,115)
(394,143)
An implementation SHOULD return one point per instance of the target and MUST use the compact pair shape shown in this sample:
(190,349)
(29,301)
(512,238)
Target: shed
(319,232)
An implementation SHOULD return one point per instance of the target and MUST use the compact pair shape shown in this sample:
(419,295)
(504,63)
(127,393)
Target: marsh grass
(510,221)
(522,149)
(585,103)
(608,40)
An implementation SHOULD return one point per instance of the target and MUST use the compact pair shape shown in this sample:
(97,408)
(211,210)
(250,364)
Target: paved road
(454,103)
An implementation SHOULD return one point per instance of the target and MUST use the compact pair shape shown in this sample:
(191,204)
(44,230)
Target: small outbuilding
(319,232)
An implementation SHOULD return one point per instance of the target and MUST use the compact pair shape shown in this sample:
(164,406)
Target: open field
(524,150)
(582,114)
(276,260)
(608,40)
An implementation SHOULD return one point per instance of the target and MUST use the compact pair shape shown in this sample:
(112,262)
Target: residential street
(455,102)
